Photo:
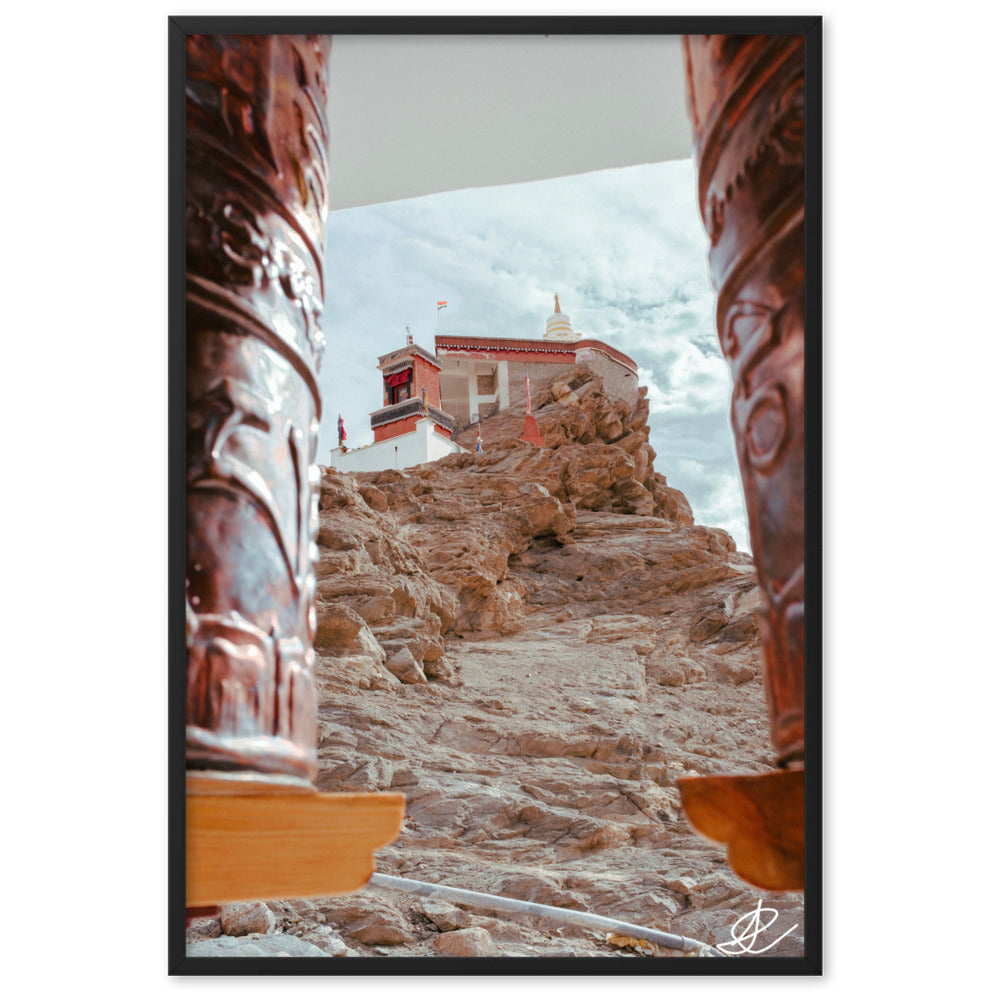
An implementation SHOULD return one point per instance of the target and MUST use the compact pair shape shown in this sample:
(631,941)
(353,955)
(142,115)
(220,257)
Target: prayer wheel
(256,204)
(746,96)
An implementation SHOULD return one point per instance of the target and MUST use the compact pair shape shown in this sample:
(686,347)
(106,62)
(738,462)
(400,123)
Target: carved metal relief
(746,97)
(256,215)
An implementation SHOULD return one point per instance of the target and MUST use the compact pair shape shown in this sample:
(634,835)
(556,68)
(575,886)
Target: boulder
(242,918)
(470,942)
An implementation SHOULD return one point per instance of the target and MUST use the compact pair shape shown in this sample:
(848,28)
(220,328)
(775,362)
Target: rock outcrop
(533,645)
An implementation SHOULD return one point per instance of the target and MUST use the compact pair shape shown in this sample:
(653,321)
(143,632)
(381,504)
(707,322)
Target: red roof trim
(404,353)
(565,349)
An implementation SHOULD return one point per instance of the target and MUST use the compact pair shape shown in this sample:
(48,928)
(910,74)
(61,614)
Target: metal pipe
(576,918)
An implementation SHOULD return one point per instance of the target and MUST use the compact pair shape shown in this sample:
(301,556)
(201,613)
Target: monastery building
(428,399)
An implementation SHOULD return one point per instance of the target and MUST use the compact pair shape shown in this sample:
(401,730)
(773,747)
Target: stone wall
(619,382)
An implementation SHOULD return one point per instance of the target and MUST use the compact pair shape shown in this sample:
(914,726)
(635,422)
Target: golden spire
(557,304)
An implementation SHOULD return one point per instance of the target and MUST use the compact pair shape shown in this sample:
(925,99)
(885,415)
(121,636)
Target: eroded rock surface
(533,645)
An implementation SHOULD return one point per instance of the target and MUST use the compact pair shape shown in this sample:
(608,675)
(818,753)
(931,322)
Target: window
(398,386)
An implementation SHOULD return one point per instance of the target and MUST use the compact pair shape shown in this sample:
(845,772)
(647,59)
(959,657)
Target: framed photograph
(495,495)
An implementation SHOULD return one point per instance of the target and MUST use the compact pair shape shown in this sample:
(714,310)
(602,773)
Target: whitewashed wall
(419,446)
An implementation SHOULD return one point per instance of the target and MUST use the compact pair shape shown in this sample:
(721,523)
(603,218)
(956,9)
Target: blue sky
(625,251)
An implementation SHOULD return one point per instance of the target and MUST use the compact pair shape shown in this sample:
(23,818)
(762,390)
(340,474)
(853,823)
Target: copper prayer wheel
(256,203)
(746,97)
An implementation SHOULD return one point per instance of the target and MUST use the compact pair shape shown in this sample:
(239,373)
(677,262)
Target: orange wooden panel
(761,820)
(276,846)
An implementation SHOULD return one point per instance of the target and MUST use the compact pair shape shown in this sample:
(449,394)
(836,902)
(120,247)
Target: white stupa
(558,326)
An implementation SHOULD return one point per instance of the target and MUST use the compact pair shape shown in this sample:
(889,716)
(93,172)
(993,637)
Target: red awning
(399,378)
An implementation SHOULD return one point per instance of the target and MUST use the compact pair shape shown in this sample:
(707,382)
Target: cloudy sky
(623,248)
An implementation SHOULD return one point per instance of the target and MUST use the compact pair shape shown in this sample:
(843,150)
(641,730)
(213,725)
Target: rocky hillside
(532,645)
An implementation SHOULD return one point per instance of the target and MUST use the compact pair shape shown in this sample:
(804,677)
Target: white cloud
(625,251)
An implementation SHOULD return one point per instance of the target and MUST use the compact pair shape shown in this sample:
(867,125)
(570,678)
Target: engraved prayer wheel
(746,97)
(256,204)
(747,105)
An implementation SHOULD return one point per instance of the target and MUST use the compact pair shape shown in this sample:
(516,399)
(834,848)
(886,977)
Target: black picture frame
(178,28)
